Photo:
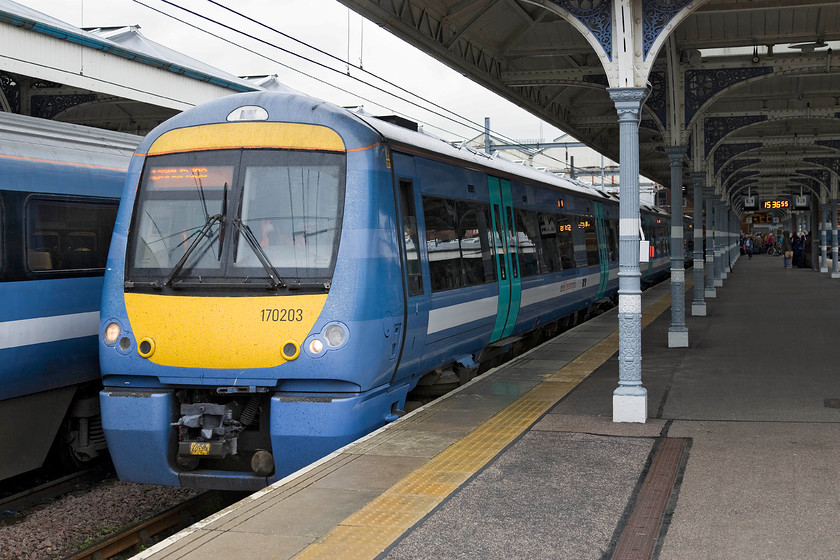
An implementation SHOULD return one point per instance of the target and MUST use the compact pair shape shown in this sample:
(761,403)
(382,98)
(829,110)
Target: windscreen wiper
(201,234)
(274,277)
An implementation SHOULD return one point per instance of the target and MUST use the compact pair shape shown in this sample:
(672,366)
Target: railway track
(151,530)
(21,501)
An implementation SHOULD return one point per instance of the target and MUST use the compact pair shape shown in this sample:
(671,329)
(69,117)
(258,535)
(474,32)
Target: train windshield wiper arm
(273,275)
(201,234)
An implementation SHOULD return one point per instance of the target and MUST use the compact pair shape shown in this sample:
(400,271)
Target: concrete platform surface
(525,461)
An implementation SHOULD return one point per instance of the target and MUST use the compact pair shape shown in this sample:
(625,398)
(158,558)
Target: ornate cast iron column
(835,266)
(734,234)
(709,193)
(725,228)
(678,332)
(698,304)
(720,233)
(823,238)
(630,398)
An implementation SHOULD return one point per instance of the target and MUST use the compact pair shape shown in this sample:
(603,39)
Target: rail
(141,534)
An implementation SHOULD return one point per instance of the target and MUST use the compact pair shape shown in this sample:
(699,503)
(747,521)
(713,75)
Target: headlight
(335,335)
(112,333)
(316,346)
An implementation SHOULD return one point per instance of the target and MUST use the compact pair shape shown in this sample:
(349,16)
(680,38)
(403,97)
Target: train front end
(235,314)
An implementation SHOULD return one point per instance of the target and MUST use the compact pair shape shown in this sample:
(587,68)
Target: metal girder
(799,140)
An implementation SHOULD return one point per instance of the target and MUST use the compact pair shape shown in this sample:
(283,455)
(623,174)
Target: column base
(718,282)
(630,408)
(710,293)
(823,269)
(698,309)
(725,274)
(835,274)
(678,338)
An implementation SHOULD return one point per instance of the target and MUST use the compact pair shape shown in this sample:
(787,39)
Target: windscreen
(237,216)
(293,210)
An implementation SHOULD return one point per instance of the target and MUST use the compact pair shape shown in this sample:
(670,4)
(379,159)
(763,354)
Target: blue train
(59,191)
(284,271)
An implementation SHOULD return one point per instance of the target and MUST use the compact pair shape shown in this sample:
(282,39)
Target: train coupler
(206,430)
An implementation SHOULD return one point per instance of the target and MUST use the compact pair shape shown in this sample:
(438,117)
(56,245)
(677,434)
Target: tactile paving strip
(369,531)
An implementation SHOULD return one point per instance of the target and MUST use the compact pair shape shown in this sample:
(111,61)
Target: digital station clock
(776,204)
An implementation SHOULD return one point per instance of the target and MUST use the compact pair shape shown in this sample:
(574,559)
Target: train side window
(587,233)
(442,244)
(500,247)
(528,235)
(650,232)
(663,237)
(566,241)
(65,235)
(580,256)
(411,242)
(511,227)
(688,238)
(612,238)
(549,242)
(475,234)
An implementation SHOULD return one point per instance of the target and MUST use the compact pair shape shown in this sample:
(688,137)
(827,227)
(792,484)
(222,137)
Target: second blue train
(284,271)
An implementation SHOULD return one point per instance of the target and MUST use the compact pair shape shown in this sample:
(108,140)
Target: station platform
(739,458)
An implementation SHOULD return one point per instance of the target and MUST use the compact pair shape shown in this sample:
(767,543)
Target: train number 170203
(278,315)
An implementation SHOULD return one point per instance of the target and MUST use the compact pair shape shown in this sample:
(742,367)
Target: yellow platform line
(369,531)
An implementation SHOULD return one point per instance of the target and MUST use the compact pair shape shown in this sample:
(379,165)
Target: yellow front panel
(221,332)
(248,135)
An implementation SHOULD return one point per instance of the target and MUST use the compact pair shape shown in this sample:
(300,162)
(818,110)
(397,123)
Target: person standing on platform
(787,248)
(748,247)
(798,250)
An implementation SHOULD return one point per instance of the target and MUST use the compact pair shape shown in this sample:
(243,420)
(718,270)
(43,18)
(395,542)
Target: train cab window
(241,217)
(294,209)
(179,205)
(411,243)
(528,238)
(68,235)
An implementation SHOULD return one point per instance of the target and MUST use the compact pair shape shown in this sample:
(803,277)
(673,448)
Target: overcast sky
(328,26)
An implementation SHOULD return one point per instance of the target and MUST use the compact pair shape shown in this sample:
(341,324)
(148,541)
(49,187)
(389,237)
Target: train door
(507,258)
(417,301)
(603,249)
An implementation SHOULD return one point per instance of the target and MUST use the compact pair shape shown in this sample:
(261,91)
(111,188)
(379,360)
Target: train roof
(359,129)
(41,139)
(402,135)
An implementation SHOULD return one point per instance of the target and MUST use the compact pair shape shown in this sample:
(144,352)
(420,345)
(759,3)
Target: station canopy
(749,87)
